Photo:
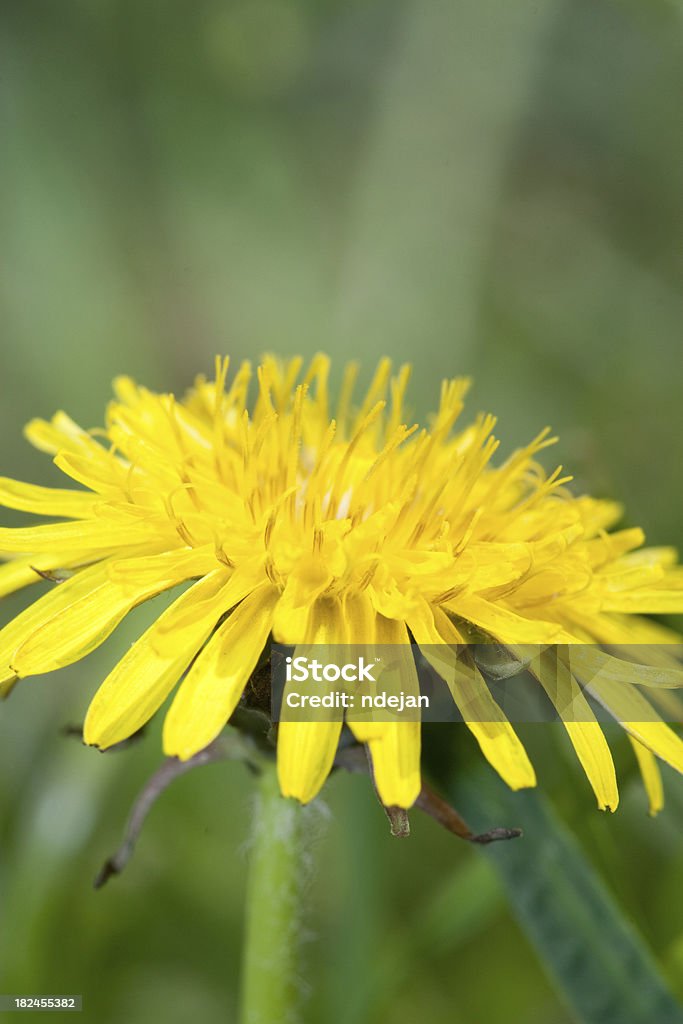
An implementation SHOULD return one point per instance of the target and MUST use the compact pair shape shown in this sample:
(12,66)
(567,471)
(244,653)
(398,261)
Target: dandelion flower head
(291,519)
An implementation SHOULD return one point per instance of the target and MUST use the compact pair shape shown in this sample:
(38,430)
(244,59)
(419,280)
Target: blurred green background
(477,187)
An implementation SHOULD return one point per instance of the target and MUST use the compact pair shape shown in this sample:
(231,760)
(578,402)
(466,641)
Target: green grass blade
(588,947)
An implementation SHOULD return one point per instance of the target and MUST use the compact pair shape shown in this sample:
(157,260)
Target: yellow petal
(78,630)
(637,716)
(500,745)
(52,604)
(581,724)
(588,659)
(304,584)
(6,687)
(394,746)
(660,739)
(645,602)
(306,750)
(61,432)
(145,569)
(46,501)
(305,754)
(78,615)
(97,470)
(21,572)
(96,466)
(77,537)
(395,756)
(663,651)
(652,779)
(147,673)
(359,616)
(503,623)
(595,757)
(214,684)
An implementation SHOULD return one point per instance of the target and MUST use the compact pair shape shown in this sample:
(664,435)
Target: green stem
(278,866)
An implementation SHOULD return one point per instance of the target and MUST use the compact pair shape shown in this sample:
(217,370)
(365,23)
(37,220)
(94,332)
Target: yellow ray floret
(290,517)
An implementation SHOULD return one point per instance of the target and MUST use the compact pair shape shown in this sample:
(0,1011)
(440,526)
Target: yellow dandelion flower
(292,522)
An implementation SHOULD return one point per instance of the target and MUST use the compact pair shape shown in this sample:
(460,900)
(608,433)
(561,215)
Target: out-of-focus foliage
(587,944)
(479,187)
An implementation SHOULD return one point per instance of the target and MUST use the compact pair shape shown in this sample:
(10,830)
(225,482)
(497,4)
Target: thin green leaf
(588,947)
